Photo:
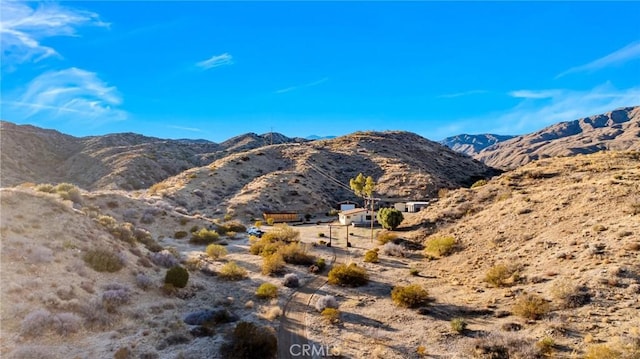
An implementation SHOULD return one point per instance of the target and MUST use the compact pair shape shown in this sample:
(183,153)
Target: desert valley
(125,246)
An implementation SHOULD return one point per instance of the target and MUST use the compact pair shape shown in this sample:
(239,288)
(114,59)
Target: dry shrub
(273,313)
(267,291)
(177,276)
(394,250)
(249,341)
(204,236)
(180,234)
(458,325)
(263,246)
(294,253)
(231,226)
(531,306)
(232,271)
(282,232)
(273,264)
(331,315)
(36,322)
(502,275)
(216,251)
(103,260)
(291,280)
(410,296)
(601,351)
(348,275)
(440,246)
(503,346)
(326,301)
(371,256)
(570,295)
(383,237)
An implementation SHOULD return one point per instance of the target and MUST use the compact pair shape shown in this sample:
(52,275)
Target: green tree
(361,186)
(389,218)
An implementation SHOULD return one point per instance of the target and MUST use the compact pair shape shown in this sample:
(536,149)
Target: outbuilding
(356,216)
(416,206)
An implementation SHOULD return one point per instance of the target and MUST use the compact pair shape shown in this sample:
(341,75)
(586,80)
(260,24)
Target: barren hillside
(310,178)
(615,130)
(117,161)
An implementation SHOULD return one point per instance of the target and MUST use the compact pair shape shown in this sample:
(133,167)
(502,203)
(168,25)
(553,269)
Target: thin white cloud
(216,61)
(627,53)
(461,94)
(297,87)
(73,95)
(535,94)
(23,27)
(535,112)
(541,108)
(190,129)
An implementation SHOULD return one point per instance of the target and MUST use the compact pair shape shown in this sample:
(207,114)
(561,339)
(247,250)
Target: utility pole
(348,243)
(372,216)
(329,244)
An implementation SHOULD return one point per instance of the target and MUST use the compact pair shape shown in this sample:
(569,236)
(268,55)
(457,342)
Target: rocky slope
(312,177)
(117,161)
(472,144)
(615,130)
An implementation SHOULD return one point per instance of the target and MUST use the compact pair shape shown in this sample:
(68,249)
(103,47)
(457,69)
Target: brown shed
(281,216)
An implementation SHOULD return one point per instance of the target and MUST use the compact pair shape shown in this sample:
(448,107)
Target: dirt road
(292,337)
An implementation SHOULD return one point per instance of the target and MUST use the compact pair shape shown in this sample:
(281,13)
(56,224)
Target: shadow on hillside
(447,312)
(370,325)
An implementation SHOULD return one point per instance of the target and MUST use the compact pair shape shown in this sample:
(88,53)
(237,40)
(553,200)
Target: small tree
(390,218)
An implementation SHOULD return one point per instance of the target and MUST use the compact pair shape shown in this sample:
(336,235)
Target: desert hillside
(615,130)
(116,161)
(543,260)
(472,144)
(310,178)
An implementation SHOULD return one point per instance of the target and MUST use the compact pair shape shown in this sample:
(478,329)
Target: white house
(356,216)
(416,206)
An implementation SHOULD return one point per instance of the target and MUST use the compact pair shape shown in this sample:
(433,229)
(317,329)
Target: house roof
(414,203)
(354,211)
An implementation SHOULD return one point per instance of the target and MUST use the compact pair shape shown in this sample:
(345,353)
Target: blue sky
(214,70)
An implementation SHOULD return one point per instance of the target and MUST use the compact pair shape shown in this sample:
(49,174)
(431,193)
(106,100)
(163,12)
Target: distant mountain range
(131,161)
(473,144)
(615,130)
(316,137)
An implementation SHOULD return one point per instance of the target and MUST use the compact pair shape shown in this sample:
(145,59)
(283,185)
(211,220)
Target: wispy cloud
(73,95)
(216,61)
(535,94)
(23,27)
(540,108)
(461,94)
(627,53)
(190,129)
(297,87)
(545,107)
